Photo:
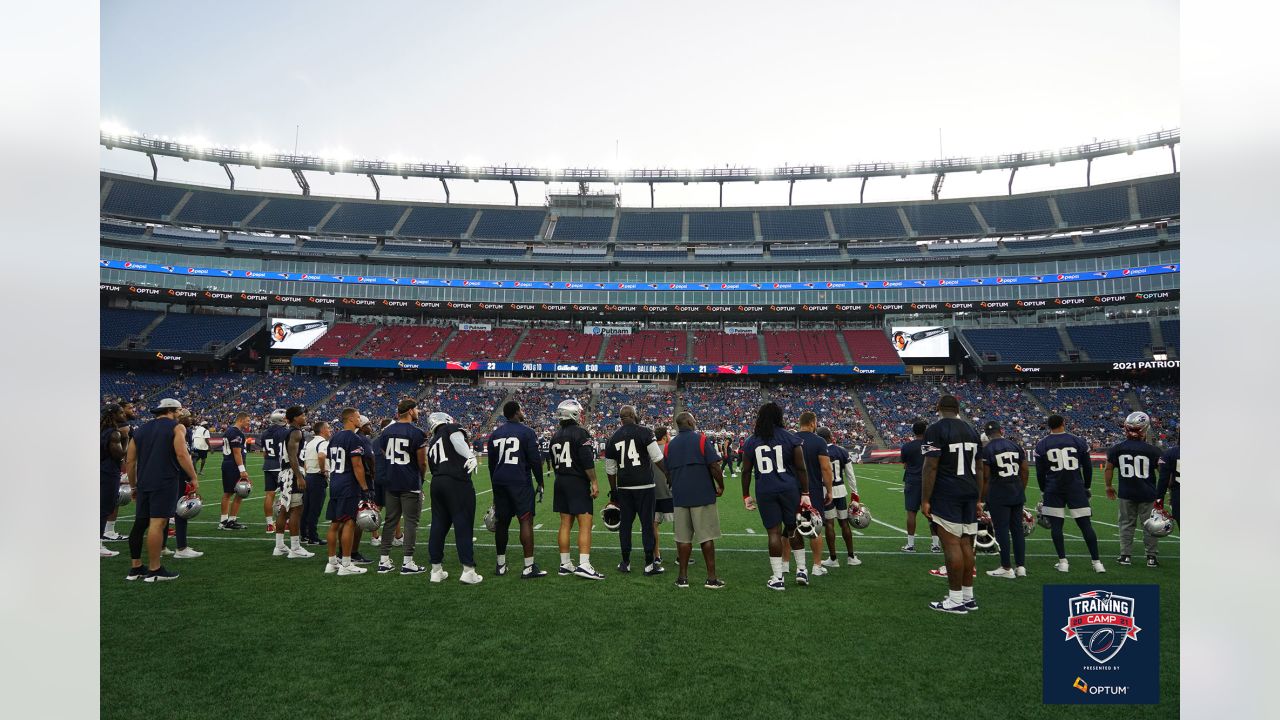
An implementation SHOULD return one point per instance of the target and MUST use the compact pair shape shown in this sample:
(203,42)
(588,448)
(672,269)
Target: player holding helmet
(348,485)
(453,497)
(233,471)
(1137,462)
(629,459)
(293,484)
(776,458)
(573,459)
(272,449)
(1005,472)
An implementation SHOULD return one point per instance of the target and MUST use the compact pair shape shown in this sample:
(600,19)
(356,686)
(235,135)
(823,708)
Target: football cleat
(935,549)
(942,606)
(279,551)
(189,506)
(532,571)
(242,489)
(409,567)
(611,516)
(716,584)
(439,575)
(351,569)
(776,584)
(384,568)
(469,576)
(1002,573)
(908,548)
(970,605)
(682,582)
(187,554)
(802,577)
(367,517)
(436,419)
(160,574)
(300,553)
(569,410)
(1028,522)
(565,570)
(1062,565)
(1158,524)
(861,518)
(491,519)
(589,573)
(500,569)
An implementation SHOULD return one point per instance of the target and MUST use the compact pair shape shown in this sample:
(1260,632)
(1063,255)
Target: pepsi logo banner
(1101,644)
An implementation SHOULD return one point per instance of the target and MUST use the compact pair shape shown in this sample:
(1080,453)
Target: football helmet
(611,516)
(1136,425)
(243,488)
(126,495)
(189,506)
(1028,522)
(436,419)
(367,516)
(985,540)
(807,523)
(860,518)
(491,519)
(276,417)
(569,410)
(1158,525)
(1041,519)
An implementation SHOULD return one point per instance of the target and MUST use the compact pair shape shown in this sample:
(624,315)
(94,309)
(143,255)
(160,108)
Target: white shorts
(836,514)
(957,529)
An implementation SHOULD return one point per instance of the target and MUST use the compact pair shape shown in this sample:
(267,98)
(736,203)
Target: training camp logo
(1101,622)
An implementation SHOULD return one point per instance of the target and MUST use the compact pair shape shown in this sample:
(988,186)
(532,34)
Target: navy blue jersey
(513,454)
(1062,463)
(443,458)
(232,438)
(158,467)
(285,464)
(345,449)
(397,449)
(840,459)
(273,439)
(814,448)
(108,463)
(773,462)
(1004,460)
(629,448)
(1136,462)
(689,457)
(955,443)
(1170,471)
(912,461)
(572,452)
(372,462)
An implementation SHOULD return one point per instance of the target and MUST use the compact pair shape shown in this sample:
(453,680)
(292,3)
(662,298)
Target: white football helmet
(1136,425)
(126,495)
(1028,522)
(1041,519)
(611,516)
(276,417)
(860,518)
(985,540)
(1158,525)
(243,488)
(436,419)
(367,516)
(806,523)
(569,410)
(491,519)
(189,506)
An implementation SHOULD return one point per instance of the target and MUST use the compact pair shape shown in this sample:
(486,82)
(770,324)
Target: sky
(652,84)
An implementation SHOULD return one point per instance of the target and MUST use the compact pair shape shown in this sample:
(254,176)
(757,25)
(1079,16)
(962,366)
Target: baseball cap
(364,421)
(166,404)
(991,427)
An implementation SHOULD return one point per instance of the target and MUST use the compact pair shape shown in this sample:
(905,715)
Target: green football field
(243,634)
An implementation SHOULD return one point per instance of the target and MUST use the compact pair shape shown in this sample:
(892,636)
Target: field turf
(243,634)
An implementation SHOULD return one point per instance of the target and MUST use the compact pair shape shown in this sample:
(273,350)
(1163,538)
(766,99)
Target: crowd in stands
(720,408)
(832,403)
(655,407)
(1161,402)
(539,406)
(892,407)
(1095,414)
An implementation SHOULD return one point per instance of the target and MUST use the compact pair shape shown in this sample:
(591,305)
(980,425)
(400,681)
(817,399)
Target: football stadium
(549,372)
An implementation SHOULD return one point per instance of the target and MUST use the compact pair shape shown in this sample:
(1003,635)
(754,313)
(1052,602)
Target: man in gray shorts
(664,508)
(693,467)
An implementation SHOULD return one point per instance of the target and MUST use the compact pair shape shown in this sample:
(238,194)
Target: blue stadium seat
(725,254)
(650,226)
(141,200)
(963,248)
(727,225)
(1160,198)
(342,246)
(509,224)
(1014,345)
(1122,341)
(1124,236)
(1038,244)
(942,220)
(118,229)
(437,222)
(262,242)
(1017,216)
(867,222)
(1172,331)
(116,326)
(291,215)
(802,224)
(647,255)
(354,218)
(883,250)
(572,253)
(217,209)
(1099,206)
(805,251)
(583,228)
(416,249)
(194,333)
(491,251)
(191,237)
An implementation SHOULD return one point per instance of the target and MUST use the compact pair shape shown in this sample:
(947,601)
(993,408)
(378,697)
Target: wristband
(241,468)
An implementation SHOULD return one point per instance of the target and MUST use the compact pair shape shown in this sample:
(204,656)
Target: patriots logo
(169,268)
(927,448)
(340,278)
(103,263)
(1038,278)
(809,285)
(755,285)
(731,369)
(863,284)
(978,280)
(1101,622)
(1170,267)
(786,369)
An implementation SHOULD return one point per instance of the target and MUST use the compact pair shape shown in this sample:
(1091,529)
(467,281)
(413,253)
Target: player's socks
(799,558)
(564,558)
(584,560)
(966,593)
(344,561)
(955,597)
(776,564)
(280,540)
(225,518)
(911,541)
(296,542)
(111,526)
(528,562)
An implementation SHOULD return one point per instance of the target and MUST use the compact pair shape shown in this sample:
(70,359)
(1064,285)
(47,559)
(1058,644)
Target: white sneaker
(1062,565)
(818,571)
(103,551)
(187,553)
(853,561)
(299,552)
(439,575)
(1002,573)
(1020,571)
(470,577)
(166,551)
(330,568)
(830,563)
(397,542)
(1097,566)
(351,569)
(112,536)
(280,551)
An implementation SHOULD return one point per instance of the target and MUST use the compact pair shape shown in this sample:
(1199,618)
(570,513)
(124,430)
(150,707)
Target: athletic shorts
(839,512)
(342,508)
(664,510)
(958,517)
(513,501)
(697,525)
(1071,502)
(200,454)
(911,496)
(157,503)
(272,482)
(230,476)
(108,493)
(779,509)
(572,496)
(957,529)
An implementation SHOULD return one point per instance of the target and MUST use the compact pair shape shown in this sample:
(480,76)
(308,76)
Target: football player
(1138,462)
(372,464)
(292,484)
(126,430)
(1170,480)
(348,485)
(844,488)
(158,465)
(453,497)
(233,471)
(184,551)
(403,448)
(820,491)
(315,458)
(1064,472)
(949,491)
(725,449)
(513,462)
(111,459)
(629,458)
(1005,472)
(664,506)
(272,448)
(912,458)
(574,461)
(776,458)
